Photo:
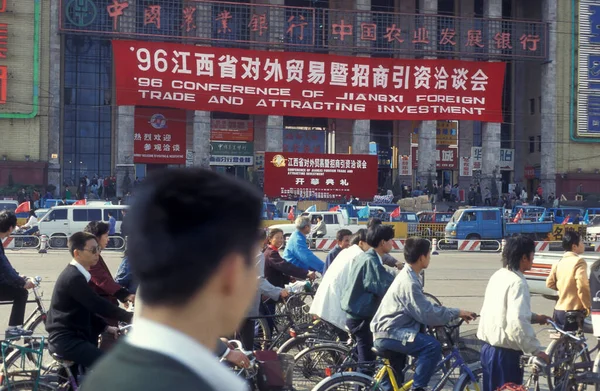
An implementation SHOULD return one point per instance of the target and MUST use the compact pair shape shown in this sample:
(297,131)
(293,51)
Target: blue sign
(595,24)
(594,71)
(594,114)
(372,148)
(303,141)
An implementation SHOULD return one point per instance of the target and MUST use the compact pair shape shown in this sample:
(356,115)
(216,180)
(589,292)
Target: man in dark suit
(75,315)
(192,246)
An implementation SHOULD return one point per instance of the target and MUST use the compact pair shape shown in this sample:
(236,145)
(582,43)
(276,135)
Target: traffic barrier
(469,245)
(43,244)
(25,241)
(8,242)
(325,244)
(503,244)
(116,243)
(60,242)
(434,250)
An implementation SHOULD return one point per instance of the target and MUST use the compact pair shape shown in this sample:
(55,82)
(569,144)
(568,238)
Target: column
(125,123)
(274,133)
(490,157)
(202,120)
(465,128)
(361,129)
(426,171)
(54,126)
(548,120)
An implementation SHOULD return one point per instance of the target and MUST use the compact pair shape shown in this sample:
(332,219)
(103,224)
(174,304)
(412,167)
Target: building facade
(535,141)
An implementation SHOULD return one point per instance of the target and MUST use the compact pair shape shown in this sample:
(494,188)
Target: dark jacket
(131,368)
(278,271)
(8,274)
(368,283)
(75,309)
(103,284)
(330,257)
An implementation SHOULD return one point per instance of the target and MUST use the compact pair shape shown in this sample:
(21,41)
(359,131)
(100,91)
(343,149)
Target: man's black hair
(373,221)
(78,240)
(359,236)
(379,232)
(182,224)
(515,249)
(339,236)
(8,220)
(414,247)
(97,228)
(570,238)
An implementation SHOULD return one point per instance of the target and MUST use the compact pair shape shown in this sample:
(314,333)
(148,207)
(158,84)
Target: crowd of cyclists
(194,284)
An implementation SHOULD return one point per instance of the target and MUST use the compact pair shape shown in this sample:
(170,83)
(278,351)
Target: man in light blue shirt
(297,251)
(112,224)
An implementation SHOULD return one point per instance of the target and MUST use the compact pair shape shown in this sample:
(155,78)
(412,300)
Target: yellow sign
(558,230)
(446,133)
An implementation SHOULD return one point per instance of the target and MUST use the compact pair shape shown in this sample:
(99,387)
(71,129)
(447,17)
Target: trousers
(364,338)
(19,298)
(500,366)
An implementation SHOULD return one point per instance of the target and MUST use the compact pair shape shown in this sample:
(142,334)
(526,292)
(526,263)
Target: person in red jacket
(102,281)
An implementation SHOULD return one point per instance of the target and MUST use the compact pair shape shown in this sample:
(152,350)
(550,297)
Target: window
(477,135)
(539,143)
(117,214)
(532,106)
(80,215)
(490,215)
(330,219)
(59,214)
(531,144)
(94,215)
(469,216)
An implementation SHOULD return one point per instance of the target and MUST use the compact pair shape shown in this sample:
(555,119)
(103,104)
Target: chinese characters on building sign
(303,141)
(466,166)
(333,176)
(231,130)
(385,32)
(305,84)
(588,102)
(446,158)
(446,133)
(224,153)
(159,136)
(506,160)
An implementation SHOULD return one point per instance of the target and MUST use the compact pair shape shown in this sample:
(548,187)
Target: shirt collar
(180,347)
(85,273)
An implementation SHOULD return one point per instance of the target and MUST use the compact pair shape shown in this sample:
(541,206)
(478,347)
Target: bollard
(43,243)
(503,245)
(434,247)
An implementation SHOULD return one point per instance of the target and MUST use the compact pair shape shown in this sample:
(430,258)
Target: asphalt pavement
(458,279)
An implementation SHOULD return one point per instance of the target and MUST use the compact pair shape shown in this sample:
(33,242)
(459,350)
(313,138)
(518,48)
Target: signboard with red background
(446,158)
(306,84)
(231,130)
(159,136)
(294,175)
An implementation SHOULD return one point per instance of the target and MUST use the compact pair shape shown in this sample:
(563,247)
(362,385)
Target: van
(63,221)
(561,213)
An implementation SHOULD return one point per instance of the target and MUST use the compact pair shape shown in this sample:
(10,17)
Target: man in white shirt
(31,224)
(506,318)
(197,277)
(326,303)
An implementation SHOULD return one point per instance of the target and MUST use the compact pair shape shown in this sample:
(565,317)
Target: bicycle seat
(574,320)
(59,359)
(387,354)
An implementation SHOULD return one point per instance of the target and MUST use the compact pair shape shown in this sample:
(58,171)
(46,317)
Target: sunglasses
(94,250)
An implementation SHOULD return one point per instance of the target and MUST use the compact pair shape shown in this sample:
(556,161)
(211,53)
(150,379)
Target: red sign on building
(306,84)
(231,130)
(159,136)
(294,175)
(446,158)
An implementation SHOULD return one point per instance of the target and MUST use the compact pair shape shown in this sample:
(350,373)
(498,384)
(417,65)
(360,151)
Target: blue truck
(491,224)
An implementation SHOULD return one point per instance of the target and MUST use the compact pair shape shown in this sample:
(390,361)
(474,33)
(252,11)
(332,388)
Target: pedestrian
(506,318)
(197,281)
(343,241)
(569,277)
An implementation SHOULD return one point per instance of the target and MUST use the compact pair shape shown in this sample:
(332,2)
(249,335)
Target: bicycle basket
(447,336)
(27,355)
(275,371)
(470,346)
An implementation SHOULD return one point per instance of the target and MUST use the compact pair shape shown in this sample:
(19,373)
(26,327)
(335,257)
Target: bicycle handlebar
(563,332)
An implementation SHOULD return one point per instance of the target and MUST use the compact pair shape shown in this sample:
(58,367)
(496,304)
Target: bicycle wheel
(347,381)
(466,383)
(262,334)
(432,299)
(563,368)
(13,359)
(297,344)
(27,385)
(311,364)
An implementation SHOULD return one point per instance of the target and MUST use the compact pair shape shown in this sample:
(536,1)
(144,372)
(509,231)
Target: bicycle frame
(454,354)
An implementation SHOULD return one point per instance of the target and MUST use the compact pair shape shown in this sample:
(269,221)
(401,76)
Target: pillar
(549,96)
(361,129)
(125,123)
(490,157)
(465,144)
(54,126)
(202,120)
(274,131)
(427,131)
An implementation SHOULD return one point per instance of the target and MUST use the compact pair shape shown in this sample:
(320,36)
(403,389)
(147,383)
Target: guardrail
(18,242)
(469,245)
(57,242)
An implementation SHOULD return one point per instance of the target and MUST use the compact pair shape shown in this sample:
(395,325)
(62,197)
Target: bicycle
(537,367)
(450,362)
(570,355)
(35,319)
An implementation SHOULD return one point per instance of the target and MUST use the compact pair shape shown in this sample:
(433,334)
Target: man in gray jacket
(403,312)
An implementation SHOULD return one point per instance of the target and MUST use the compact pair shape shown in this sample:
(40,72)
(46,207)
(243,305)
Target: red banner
(294,175)
(306,84)
(159,136)
(446,158)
